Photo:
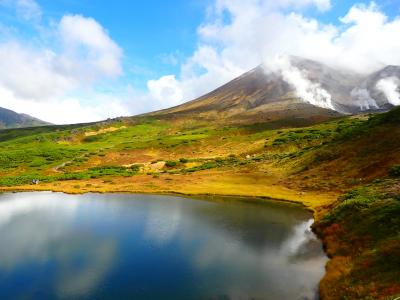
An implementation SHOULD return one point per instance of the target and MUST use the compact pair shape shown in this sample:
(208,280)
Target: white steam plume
(308,91)
(390,87)
(363,99)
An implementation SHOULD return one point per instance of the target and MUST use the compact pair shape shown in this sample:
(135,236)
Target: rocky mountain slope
(254,97)
(294,89)
(11,119)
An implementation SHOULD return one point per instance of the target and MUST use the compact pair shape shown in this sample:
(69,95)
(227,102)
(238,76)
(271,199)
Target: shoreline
(250,198)
(304,203)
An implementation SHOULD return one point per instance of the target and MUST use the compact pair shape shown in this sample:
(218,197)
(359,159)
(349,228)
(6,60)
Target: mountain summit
(294,89)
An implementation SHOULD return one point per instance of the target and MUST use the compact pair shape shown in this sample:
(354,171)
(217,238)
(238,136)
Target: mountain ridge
(293,92)
(11,119)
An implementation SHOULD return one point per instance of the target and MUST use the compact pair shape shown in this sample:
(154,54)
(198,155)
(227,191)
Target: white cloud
(86,43)
(165,90)
(31,73)
(366,40)
(369,40)
(37,79)
(28,10)
(68,109)
(322,5)
(239,35)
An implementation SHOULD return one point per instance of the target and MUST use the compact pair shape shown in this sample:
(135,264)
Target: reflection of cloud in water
(271,270)
(302,245)
(38,228)
(77,281)
(30,237)
(162,222)
(301,235)
(13,205)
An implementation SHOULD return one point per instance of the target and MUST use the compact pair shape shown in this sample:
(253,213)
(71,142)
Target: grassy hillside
(157,148)
(346,169)
(330,157)
(361,231)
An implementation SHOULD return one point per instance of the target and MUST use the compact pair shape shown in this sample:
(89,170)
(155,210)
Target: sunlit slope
(327,157)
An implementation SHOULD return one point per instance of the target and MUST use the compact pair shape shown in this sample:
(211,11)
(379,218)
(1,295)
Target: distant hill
(11,119)
(263,95)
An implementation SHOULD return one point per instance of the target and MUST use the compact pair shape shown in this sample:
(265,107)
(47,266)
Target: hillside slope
(11,119)
(327,157)
(361,230)
(251,98)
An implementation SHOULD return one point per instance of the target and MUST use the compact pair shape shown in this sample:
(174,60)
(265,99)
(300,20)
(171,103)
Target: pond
(121,246)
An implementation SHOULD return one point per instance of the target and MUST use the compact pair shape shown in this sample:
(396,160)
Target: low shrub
(326,155)
(395,171)
(92,139)
(136,168)
(170,164)
(205,166)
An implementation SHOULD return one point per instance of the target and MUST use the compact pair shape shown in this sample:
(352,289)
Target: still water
(57,246)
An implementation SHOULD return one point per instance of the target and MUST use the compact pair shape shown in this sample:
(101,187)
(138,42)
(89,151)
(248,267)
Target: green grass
(303,136)
(205,166)
(39,150)
(45,147)
(91,173)
(49,147)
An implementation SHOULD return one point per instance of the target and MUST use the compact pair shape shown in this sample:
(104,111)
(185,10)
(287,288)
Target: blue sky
(148,31)
(98,59)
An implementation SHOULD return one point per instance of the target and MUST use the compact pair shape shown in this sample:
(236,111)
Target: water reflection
(162,222)
(37,234)
(153,247)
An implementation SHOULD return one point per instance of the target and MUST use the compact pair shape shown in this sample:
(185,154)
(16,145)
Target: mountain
(250,98)
(298,90)
(11,119)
